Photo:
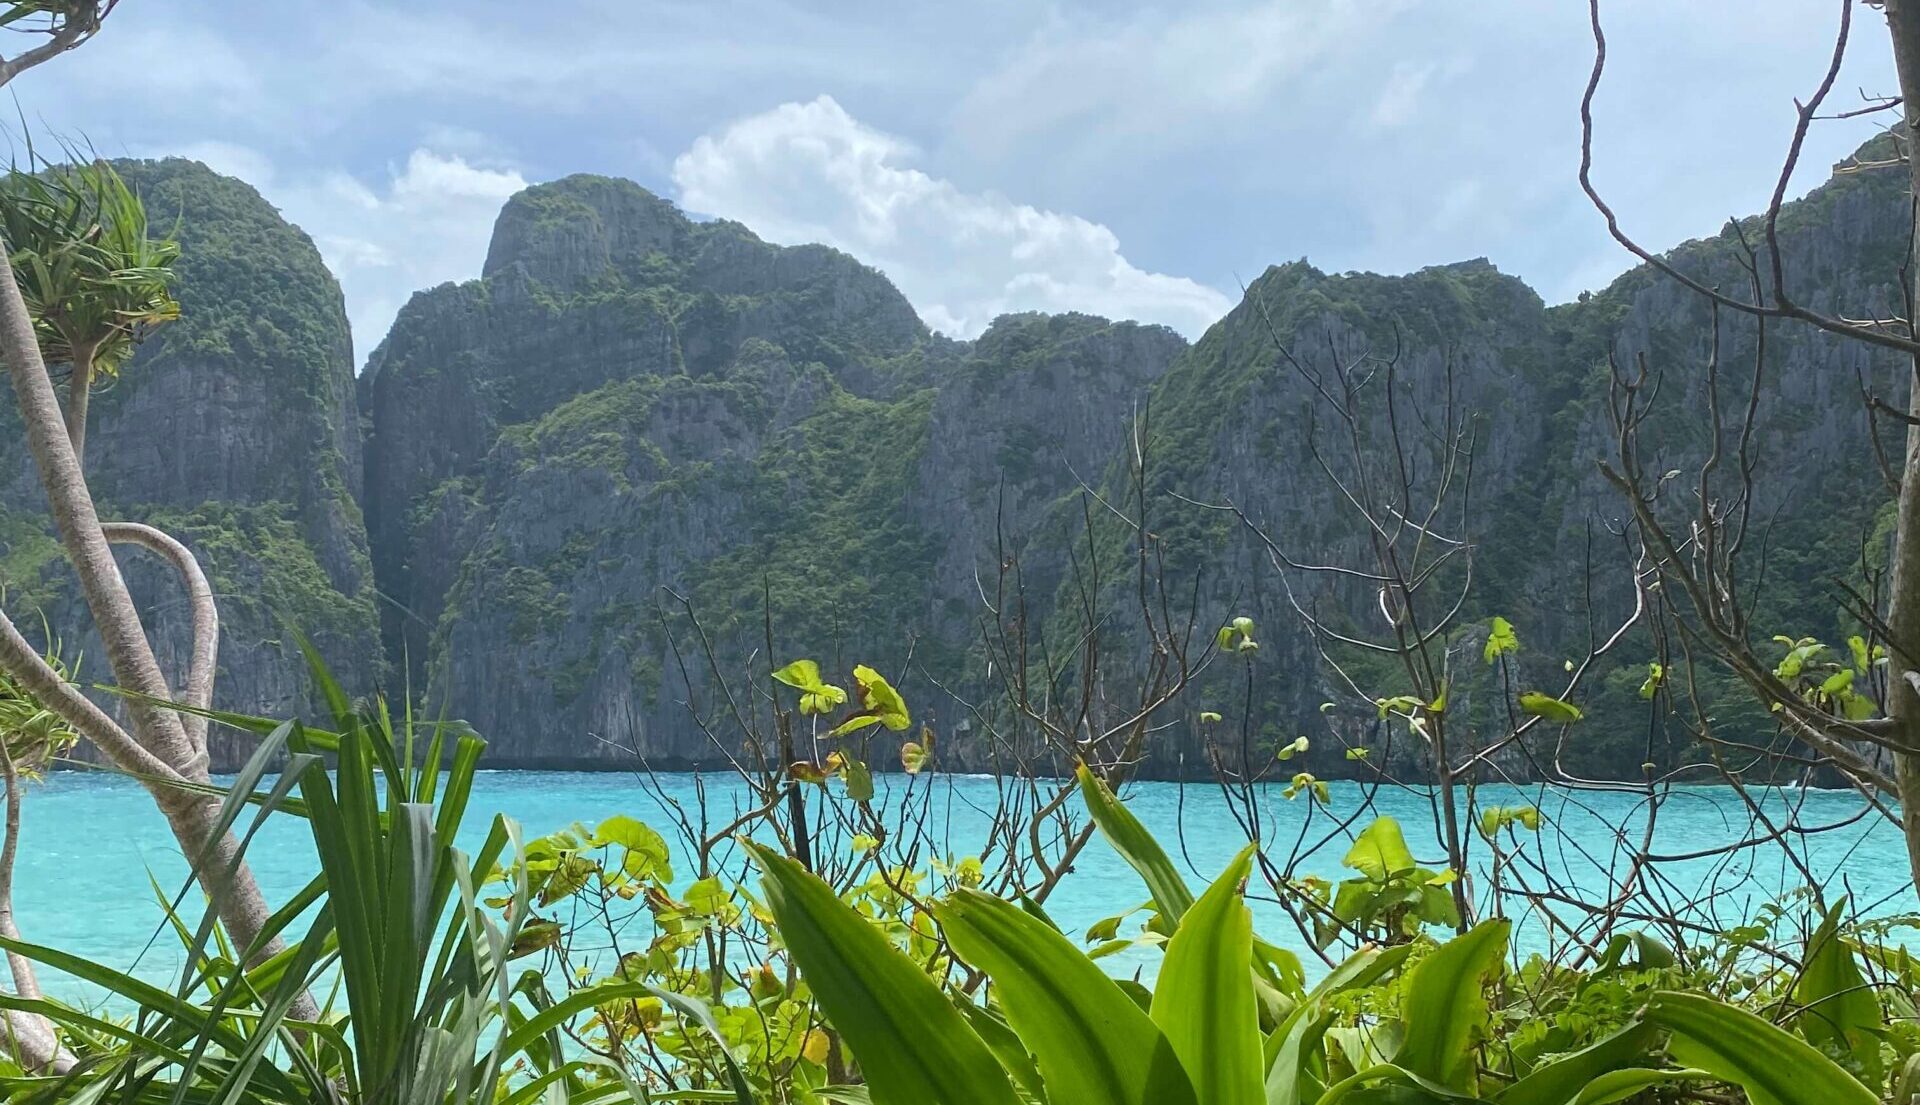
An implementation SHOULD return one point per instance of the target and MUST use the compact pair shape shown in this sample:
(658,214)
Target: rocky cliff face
(632,421)
(629,406)
(639,454)
(1236,416)
(236,430)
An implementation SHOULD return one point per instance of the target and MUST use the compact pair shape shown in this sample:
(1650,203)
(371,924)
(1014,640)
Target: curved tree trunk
(194,818)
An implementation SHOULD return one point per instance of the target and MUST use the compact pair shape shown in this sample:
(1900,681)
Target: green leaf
(1445,1006)
(1380,851)
(1291,1079)
(913,1046)
(1006,1046)
(1137,846)
(1857,707)
(1838,1011)
(1628,1084)
(1295,747)
(1862,661)
(879,703)
(915,755)
(647,856)
(1549,708)
(1773,1066)
(802,675)
(700,1013)
(1092,1043)
(1500,640)
(1563,1080)
(1656,674)
(822,701)
(709,897)
(1204,999)
(858,780)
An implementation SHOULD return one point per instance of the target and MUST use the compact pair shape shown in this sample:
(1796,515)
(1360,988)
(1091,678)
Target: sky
(1128,159)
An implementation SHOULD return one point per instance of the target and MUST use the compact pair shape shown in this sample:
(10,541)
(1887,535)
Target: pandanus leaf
(1092,1043)
(1204,999)
(913,1045)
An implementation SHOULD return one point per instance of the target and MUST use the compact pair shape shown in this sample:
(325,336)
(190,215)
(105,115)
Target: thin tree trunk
(25,982)
(1903,612)
(193,817)
(27,1036)
(79,395)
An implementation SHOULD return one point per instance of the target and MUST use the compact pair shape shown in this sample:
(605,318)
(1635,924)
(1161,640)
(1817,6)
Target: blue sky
(1128,159)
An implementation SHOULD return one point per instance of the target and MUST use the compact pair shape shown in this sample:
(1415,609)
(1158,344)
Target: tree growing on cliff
(94,278)
(1699,533)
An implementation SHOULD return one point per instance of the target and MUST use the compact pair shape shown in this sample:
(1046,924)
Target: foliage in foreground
(441,976)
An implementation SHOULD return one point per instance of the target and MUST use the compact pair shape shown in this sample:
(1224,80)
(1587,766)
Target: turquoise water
(90,841)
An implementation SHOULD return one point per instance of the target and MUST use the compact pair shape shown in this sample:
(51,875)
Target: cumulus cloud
(424,223)
(809,172)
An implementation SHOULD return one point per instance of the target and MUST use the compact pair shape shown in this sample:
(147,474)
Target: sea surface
(94,849)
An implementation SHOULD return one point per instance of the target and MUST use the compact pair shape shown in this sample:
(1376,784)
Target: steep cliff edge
(629,406)
(1532,384)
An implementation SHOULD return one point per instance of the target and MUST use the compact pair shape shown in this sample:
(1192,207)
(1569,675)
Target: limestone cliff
(235,429)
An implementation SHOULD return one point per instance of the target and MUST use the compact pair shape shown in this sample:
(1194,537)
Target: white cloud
(426,223)
(1400,97)
(1159,77)
(809,172)
(229,158)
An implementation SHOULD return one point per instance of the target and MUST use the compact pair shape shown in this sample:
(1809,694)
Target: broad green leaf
(1773,1066)
(1390,1084)
(1204,1000)
(1862,660)
(803,675)
(1137,846)
(1500,640)
(1444,1006)
(1296,1041)
(858,780)
(646,851)
(1629,1084)
(1562,1081)
(1380,851)
(702,1014)
(913,1046)
(1839,1013)
(1545,706)
(879,704)
(1007,1046)
(1092,1043)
